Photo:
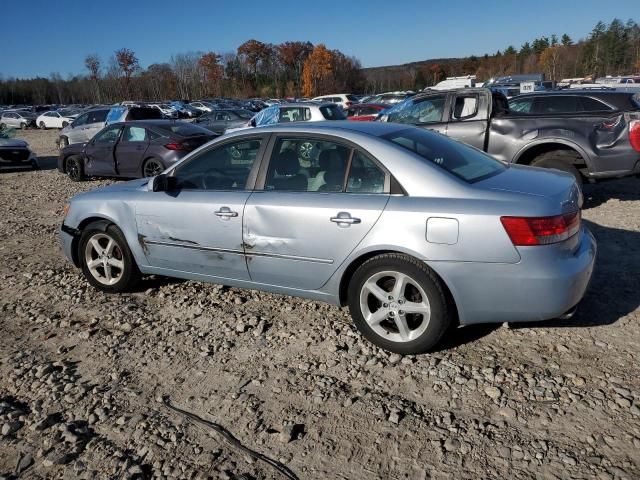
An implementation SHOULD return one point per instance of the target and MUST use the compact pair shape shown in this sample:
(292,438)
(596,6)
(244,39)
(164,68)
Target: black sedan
(141,148)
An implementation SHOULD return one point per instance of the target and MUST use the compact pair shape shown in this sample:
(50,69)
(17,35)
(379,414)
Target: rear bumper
(547,282)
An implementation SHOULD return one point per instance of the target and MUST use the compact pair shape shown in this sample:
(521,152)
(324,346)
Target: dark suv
(578,101)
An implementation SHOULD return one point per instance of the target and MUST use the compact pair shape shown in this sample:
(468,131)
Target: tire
(420,332)
(563,160)
(2,126)
(42,126)
(63,142)
(152,167)
(113,268)
(74,168)
(65,124)
(23,126)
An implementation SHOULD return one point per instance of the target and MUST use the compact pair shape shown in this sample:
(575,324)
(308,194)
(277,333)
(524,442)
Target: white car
(345,100)
(167,110)
(56,119)
(203,106)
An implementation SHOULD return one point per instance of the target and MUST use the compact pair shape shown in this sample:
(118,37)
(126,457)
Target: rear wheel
(107,262)
(563,160)
(63,142)
(151,168)
(65,124)
(399,304)
(42,126)
(23,126)
(75,168)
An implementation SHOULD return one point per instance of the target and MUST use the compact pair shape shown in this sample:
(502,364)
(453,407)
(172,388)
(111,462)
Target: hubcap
(395,306)
(151,169)
(104,259)
(305,150)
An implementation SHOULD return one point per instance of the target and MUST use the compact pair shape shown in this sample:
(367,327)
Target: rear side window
(332,112)
(465,106)
(557,104)
(464,162)
(134,134)
(364,176)
(521,105)
(592,105)
(294,114)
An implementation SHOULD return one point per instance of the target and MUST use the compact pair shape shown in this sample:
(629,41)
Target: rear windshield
(332,112)
(183,129)
(464,162)
(352,98)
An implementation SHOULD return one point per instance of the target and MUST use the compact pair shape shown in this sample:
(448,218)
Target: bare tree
(128,63)
(92,62)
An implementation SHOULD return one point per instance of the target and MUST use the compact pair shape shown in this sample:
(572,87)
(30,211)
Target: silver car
(17,119)
(413,231)
(84,127)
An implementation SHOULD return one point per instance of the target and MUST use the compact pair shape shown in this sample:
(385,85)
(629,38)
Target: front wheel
(399,304)
(23,126)
(107,262)
(63,142)
(75,168)
(42,126)
(65,124)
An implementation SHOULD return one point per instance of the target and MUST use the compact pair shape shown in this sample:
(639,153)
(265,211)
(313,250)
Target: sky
(43,36)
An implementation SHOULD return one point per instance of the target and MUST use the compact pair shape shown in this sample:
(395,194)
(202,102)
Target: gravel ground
(83,374)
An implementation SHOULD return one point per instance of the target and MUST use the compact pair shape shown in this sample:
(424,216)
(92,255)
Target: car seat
(286,167)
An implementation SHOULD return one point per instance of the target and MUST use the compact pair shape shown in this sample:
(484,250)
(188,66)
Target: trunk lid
(545,183)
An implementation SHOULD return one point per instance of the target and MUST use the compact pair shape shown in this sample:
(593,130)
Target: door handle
(344,219)
(225,213)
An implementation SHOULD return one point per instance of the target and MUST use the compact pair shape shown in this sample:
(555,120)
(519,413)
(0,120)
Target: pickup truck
(591,134)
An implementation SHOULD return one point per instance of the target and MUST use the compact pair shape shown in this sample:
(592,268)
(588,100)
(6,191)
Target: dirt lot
(83,374)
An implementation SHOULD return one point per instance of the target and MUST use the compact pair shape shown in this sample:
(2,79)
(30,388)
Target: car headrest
(329,159)
(287,163)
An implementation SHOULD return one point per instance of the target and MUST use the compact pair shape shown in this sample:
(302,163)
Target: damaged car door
(196,226)
(99,152)
(308,213)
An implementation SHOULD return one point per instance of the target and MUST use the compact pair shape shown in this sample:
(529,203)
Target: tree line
(612,49)
(258,69)
(255,69)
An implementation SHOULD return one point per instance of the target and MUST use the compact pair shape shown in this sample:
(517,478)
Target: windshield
(464,162)
(332,112)
(67,113)
(182,128)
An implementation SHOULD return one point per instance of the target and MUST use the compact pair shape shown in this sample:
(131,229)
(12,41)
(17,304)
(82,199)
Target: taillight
(529,231)
(175,146)
(634,134)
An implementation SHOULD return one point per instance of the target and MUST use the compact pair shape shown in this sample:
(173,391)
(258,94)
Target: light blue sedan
(413,231)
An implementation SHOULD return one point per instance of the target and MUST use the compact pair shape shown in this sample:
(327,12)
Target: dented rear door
(296,239)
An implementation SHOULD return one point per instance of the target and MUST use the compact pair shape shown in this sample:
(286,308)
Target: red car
(364,112)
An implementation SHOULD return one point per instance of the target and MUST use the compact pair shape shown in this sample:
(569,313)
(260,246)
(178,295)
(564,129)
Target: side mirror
(252,122)
(163,183)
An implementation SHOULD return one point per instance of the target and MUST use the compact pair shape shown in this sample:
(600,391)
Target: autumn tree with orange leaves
(128,64)
(213,73)
(291,56)
(318,68)
(254,53)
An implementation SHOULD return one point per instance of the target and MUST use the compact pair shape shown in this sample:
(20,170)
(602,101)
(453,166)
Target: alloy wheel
(104,259)
(304,150)
(152,168)
(395,306)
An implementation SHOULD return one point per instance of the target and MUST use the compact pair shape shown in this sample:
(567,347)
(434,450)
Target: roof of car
(152,122)
(375,129)
(309,103)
